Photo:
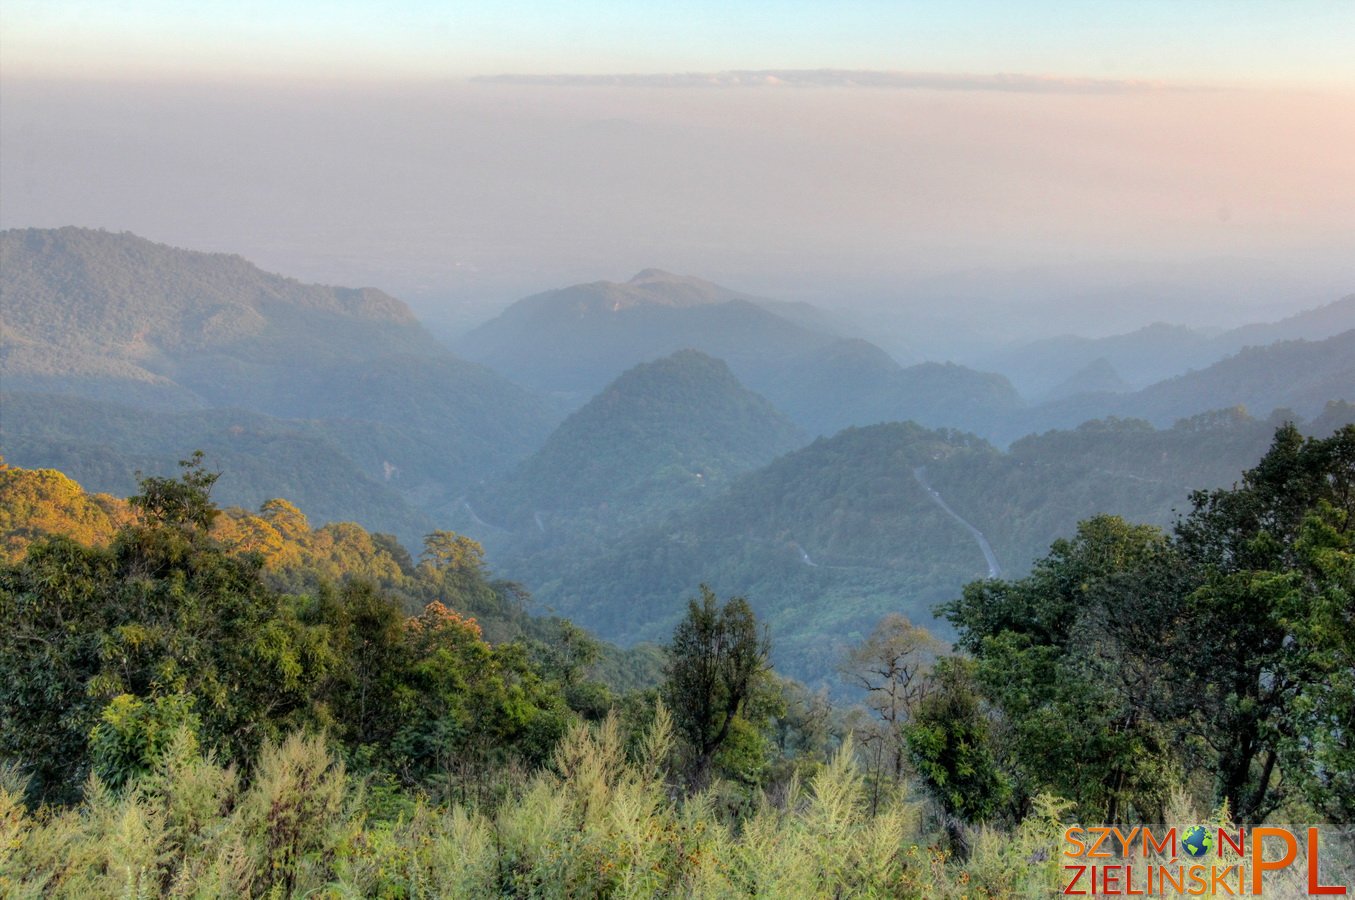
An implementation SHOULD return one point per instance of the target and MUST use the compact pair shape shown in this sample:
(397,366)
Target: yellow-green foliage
(38,502)
(594,823)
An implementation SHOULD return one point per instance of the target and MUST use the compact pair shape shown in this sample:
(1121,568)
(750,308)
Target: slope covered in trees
(1157,352)
(117,319)
(199,705)
(105,445)
(660,437)
(828,539)
(1296,375)
(576,339)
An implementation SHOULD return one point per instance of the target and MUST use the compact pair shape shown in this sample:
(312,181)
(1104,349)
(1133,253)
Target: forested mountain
(660,437)
(853,382)
(84,306)
(1301,376)
(576,339)
(105,444)
(1156,352)
(829,538)
(115,318)
(1096,377)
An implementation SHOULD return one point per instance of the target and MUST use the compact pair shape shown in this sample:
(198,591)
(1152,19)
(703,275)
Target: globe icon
(1197,841)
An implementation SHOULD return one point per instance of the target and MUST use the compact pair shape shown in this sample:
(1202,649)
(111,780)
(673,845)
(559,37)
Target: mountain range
(116,319)
(614,446)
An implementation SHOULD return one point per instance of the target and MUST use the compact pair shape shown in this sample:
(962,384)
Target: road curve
(994,570)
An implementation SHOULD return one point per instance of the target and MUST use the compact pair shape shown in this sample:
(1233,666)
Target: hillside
(115,318)
(660,437)
(1301,376)
(829,538)
(1156,352)
(823,542)
(574,340)
(82,305)
(104,445)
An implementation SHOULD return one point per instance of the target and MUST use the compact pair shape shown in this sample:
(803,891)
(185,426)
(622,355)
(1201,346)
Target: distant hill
(1140,357)
(103,445)
(574,340)
(577,339)
(1310,325)
(1096,377)
(1301,376)
(82,304)
(1298,375)
(661,436)
(1156,352)
(116,318)
(853,382)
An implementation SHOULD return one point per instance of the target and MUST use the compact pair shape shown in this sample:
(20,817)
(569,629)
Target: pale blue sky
(1294,43)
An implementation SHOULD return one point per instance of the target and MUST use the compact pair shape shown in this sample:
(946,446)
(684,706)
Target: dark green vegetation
(661,437)
(370,401)
(826,540)
(105,444)
(1132,662)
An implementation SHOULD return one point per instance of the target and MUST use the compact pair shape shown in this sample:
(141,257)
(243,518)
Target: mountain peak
(654,275)
(672,428)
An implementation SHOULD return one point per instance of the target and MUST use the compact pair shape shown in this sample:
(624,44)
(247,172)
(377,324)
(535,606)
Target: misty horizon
(1204,207)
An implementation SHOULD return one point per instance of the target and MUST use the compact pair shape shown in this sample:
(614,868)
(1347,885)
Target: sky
(463,154)
(1300,42)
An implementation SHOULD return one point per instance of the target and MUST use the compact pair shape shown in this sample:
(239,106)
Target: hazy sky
(375,143)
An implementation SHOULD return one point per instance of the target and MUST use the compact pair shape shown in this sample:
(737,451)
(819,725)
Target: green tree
(950,742)
(1077,726)
(164,611)
(181,502)
(1255,622)
(715,659)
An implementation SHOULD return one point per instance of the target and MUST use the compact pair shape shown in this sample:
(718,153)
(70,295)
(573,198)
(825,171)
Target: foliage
(1129,658)
(716,658)
(593,823)
(109,652)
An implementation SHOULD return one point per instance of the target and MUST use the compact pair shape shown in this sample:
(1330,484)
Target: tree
(1128,655)
(892,665)
(715,659)
(1076,725)
(165,611)
(1270,615)
(949,740)
(183,502)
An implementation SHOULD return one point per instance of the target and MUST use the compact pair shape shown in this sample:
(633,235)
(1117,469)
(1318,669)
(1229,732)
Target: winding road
(994,570)
(462,501)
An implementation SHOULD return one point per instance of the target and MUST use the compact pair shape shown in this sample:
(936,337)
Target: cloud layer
(836,78)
